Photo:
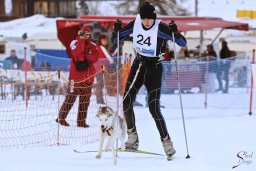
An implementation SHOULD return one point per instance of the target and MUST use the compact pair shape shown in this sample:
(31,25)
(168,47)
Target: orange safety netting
(28,108)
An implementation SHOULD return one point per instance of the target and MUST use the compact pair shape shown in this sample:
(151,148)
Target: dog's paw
(122,147)
(98,156)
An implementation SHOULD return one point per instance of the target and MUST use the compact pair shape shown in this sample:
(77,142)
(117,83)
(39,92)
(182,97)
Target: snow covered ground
(218,139)
(213,145)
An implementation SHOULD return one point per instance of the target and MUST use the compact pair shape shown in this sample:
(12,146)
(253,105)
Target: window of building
(2,48)
(41,8)
(67,8)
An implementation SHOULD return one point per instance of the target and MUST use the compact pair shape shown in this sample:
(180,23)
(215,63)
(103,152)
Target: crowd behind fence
(28,108)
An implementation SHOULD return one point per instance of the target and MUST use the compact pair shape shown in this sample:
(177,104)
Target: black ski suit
(149,74)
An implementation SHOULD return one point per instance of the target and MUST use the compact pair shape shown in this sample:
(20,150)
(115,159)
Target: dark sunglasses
(84,34)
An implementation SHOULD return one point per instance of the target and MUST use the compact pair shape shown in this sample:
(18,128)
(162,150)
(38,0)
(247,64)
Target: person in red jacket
(81,76)
(103,49)
(105,59)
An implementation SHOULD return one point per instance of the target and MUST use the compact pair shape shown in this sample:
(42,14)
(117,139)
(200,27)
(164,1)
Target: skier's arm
(165,32)
(123,33)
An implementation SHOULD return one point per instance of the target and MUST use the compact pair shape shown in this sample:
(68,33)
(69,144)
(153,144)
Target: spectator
(15,61)
(210,51)
(45,66)
(224,66)
(81,76)
(211,58)
(105,59)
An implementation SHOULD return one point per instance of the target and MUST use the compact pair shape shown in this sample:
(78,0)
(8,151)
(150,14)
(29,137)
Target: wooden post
(25,72)
(251,92)
(206,78)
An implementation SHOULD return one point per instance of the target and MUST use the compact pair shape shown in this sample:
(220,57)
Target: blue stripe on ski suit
(123,35)
(166,36)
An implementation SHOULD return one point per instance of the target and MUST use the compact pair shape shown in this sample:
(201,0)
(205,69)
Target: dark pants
(81,89)
(99,88)
(224,67)
(150,74)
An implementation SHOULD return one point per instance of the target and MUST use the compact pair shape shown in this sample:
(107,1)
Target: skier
(149,41)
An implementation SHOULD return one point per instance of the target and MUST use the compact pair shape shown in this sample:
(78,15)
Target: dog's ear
(99,111)
(111,110)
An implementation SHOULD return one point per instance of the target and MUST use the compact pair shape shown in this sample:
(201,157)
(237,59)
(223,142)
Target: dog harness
(107,130)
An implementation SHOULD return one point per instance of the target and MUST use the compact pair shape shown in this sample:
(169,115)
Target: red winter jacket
(83,49)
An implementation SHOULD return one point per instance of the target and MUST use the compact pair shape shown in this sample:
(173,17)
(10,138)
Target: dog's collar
(107,130)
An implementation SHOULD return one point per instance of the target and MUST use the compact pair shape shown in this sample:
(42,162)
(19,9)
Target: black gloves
(81,66)
(179,38)
(117,28)
(118,25)
(173,27)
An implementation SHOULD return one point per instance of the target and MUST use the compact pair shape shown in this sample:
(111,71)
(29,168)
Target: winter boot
(82,124)
(133,141)
(168,147)
(63,122)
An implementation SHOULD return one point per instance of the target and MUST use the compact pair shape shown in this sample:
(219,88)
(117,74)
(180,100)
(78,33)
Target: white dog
(109,128)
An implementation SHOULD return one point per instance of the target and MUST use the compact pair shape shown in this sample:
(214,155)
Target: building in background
(12,9)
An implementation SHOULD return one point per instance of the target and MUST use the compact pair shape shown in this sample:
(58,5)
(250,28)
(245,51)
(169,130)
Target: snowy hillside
(29,25)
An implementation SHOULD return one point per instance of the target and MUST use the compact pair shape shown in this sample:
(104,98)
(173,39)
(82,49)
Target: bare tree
(89,7)
(163,7)
(94,7)
(84,9)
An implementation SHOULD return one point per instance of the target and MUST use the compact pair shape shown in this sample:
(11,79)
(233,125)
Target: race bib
(145,41)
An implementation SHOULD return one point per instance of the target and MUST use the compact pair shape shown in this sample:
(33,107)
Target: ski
(139,151)
(119,150)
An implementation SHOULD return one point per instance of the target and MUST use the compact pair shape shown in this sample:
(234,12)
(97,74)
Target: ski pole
(117,79)
(178,82)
